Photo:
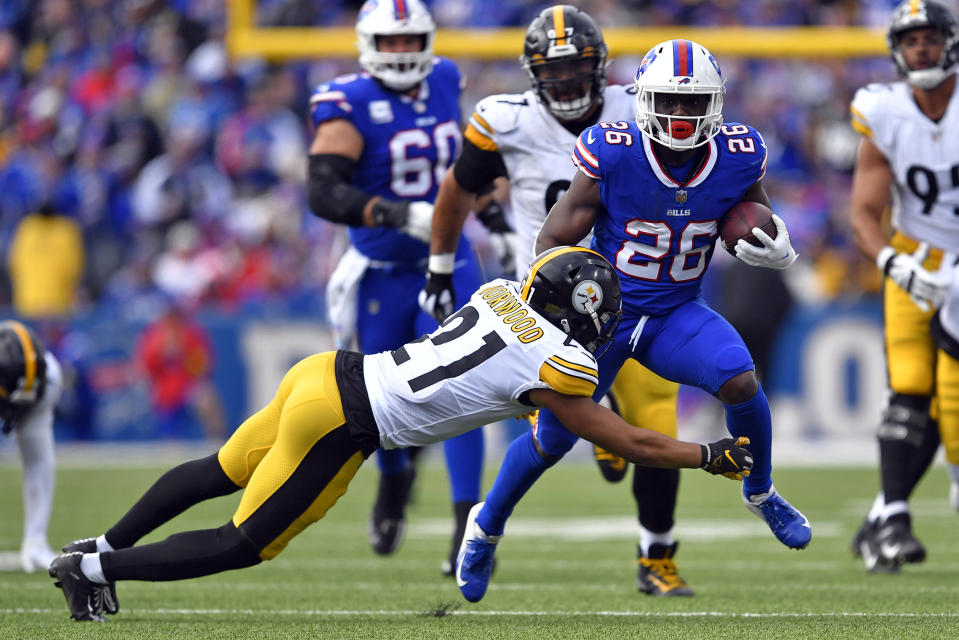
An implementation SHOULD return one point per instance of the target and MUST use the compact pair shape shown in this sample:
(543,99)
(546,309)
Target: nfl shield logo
(680,196)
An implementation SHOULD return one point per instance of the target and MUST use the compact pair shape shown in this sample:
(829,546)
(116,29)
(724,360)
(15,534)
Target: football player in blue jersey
(384,138)
(527,138)
(654,191)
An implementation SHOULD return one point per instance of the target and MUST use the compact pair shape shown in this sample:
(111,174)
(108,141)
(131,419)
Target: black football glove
(438,295)
(727,457)
(500,235)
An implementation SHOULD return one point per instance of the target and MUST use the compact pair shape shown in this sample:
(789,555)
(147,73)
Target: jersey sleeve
(330,101)
(867,113)
(493,116)
(572,373)
(586,152)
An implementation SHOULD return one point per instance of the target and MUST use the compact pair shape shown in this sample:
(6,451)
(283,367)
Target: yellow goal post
(246,39)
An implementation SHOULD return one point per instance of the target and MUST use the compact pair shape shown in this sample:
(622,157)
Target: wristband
(704,461)
(441,262)
(884,259)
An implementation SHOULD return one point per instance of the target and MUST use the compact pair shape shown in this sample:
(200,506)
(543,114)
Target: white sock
(92,569)
(875,511)
(953,472)
(647,539)
(894,509)
(103,545)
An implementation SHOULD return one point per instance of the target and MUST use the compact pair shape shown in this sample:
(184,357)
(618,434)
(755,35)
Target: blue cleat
(786,522)
(474,563)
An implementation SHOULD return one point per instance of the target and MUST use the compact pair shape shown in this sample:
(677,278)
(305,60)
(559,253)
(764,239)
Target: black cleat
(387,524)
(865,545)
(610,465)
(107,593)
(658,574)
(896,542)
(80,592)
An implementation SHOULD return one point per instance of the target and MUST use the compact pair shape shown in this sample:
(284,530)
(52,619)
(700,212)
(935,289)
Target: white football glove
(775,253)
(906,270)
(419,221)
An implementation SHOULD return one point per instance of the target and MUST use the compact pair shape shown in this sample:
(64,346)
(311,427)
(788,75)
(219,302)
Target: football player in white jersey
(30,383)
(528,139)
(909,158)
(513,348)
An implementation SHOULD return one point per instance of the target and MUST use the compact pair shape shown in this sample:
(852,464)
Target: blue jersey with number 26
(408,143)
(660,233)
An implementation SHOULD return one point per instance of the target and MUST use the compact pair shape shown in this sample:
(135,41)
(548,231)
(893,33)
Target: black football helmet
(23,372)
(921,14)
(565,56)
(577,290)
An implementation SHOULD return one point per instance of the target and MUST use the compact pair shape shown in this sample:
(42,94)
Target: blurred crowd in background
(145,174)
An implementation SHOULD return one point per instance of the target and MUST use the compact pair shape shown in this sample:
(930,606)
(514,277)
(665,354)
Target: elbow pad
(331,195)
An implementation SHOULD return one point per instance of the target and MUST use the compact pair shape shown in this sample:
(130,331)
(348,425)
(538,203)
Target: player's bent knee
(740,388)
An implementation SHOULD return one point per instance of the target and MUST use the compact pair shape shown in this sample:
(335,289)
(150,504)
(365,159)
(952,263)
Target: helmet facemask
(568,85)
(398,71)
(685,131)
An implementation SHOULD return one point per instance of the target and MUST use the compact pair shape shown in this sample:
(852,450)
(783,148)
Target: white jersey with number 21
(476,368)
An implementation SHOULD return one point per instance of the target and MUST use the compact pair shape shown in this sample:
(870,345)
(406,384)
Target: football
(739,221)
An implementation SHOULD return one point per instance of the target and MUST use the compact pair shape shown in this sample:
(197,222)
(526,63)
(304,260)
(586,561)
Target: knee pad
(905,419)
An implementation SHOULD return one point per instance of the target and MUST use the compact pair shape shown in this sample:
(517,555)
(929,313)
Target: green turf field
(566,568)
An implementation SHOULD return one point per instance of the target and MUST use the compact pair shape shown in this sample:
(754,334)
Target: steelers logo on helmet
(565,57)
(396,70)
(577,290)
(587,297)
(679,72)
(924,14)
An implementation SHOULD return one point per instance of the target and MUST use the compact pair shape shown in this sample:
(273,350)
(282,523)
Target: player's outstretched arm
(601,426)
(453,203)
(573,215)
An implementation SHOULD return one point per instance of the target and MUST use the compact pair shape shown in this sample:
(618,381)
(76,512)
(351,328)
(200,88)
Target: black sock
(183,555)
(177,490)
(924,455)
(655,491)
(461,511)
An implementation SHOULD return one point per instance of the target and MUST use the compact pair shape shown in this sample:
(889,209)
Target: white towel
(341,296)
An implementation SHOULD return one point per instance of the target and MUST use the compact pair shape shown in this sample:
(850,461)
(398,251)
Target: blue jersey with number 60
(658,232)
(408,144)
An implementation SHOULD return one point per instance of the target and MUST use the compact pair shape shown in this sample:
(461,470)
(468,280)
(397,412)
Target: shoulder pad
(445,69)
(332,100)
(572,372)
(746,145)
(494,116)
(868,107)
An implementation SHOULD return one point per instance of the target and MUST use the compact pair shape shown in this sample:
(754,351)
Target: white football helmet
(397,71)
(679,67)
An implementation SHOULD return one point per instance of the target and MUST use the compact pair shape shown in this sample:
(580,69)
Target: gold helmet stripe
(914,7)
(559,24)
(29,354)
(536,266)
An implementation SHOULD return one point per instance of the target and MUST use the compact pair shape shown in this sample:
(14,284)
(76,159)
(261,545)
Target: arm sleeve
(476,168)
(331,195)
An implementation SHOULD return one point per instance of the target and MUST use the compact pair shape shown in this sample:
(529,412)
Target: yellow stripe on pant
(294,457)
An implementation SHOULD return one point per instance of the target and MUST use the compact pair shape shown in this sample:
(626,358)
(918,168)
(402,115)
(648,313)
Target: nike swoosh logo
(890,550)
(589,137)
